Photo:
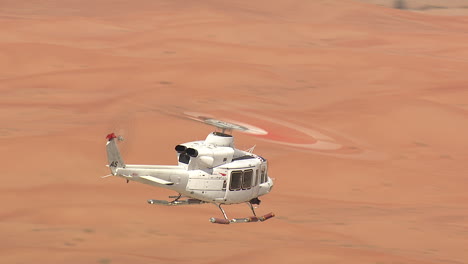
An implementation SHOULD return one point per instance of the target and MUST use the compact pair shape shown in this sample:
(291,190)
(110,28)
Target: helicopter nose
(271,183)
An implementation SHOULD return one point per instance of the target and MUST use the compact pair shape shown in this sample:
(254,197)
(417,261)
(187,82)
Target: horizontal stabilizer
(156,180)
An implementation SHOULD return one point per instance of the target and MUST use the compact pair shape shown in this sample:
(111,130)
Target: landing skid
(241,220)
(250,219)
(214,220)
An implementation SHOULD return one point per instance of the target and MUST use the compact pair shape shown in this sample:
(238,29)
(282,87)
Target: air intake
(192,152)
(180,148)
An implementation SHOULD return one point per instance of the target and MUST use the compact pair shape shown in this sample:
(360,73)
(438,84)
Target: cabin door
(240,187)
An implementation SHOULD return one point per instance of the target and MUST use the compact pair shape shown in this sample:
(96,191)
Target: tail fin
(113,154)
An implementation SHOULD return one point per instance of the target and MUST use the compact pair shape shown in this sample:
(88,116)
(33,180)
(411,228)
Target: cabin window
(236,181)
(184,158)
(247,179)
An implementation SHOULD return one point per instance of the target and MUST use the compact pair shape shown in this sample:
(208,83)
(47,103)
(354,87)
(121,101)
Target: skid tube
(250,219)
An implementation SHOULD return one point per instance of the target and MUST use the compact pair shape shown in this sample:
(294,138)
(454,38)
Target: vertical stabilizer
(114,159)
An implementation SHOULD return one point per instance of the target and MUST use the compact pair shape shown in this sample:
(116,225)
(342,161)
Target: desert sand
(384,89)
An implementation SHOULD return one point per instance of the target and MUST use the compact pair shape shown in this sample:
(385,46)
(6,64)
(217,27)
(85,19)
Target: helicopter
(208,171)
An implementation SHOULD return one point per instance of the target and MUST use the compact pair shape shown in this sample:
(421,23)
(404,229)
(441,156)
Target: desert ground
(366,108)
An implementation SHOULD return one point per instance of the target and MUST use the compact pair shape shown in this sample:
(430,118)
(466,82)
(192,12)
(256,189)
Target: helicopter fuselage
(211,171)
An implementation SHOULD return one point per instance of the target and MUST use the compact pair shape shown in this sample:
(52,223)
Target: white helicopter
(208,171)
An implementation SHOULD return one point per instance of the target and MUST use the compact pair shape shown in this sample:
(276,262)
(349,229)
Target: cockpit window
(247,179)
(236,181)
(264,176)
(257,176)
(184,158)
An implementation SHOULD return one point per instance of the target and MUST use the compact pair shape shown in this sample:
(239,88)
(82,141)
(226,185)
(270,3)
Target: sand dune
(382,90)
